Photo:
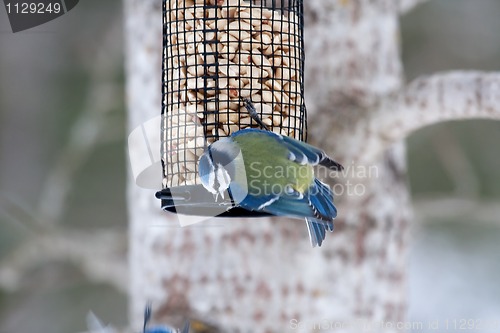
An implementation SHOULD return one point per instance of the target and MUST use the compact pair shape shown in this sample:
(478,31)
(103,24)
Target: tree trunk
(262,275)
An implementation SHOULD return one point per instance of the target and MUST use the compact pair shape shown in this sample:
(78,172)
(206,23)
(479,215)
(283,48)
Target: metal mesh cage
(216,54)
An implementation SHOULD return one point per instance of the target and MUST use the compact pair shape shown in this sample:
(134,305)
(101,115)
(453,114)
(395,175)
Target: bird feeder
(216,55)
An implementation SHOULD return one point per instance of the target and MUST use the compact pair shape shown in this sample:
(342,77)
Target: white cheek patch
(223,178)
(208,180)
(211,183)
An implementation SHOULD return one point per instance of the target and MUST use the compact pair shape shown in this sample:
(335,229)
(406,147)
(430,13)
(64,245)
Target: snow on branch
(437,98)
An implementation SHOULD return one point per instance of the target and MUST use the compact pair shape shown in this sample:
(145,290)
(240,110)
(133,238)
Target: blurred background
(454,173)
(62,172)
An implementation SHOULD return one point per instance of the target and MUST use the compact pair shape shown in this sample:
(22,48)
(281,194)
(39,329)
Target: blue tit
(267,172)
(160,329)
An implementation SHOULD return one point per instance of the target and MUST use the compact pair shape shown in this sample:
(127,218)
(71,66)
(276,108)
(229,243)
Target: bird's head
(216,166)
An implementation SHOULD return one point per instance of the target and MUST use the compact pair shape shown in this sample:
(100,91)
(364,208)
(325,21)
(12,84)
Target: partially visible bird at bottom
(160,329)
(267,172)
(96,326)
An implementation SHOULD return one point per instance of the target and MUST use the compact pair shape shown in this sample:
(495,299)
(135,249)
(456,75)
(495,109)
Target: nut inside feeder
(216,55)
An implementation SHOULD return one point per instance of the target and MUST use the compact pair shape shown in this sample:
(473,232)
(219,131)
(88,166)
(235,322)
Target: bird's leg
(253,113)
(147,316)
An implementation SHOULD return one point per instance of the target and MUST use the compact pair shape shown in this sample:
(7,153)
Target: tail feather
(317,231)
(329,163)
(316,206)
(321,201)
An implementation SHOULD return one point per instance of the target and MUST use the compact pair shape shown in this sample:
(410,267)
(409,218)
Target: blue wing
(316,206)
(317,232)
(303,153)
(322,204)
(260,203)
(321,200)
(298,151)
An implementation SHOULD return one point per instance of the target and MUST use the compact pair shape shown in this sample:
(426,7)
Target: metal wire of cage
(216,53)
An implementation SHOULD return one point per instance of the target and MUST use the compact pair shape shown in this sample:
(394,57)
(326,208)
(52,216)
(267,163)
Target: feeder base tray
(195,200)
